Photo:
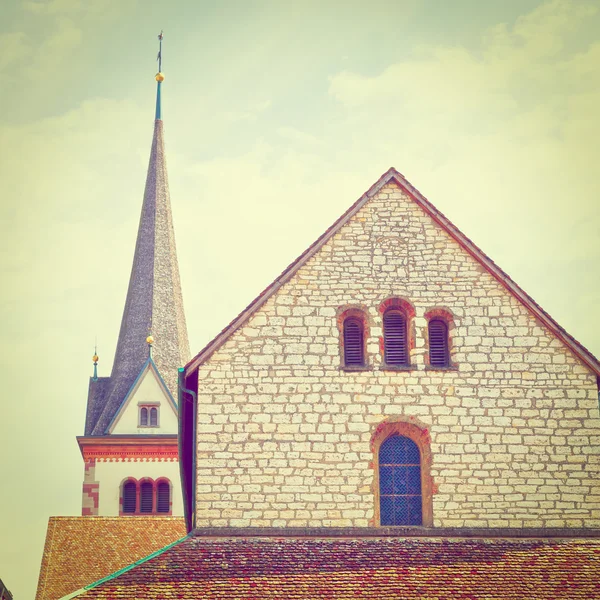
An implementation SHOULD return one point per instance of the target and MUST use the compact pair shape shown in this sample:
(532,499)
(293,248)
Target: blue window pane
(413,457)
(387,510)
(401,510)
(398,450)
(386,480)
(414,510)
(400,483)
(413,480)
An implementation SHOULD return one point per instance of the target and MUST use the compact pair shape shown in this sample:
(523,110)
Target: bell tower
(130,442)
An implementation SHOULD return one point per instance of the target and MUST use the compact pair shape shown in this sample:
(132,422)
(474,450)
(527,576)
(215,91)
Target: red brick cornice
(129,448)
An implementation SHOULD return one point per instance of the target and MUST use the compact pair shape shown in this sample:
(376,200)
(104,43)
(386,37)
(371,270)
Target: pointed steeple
(154,302)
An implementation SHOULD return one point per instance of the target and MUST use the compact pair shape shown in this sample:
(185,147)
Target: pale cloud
(14,48)
(295,135)
(52,7)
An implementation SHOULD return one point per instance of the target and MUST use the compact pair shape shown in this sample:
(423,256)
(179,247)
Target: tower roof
(154,302)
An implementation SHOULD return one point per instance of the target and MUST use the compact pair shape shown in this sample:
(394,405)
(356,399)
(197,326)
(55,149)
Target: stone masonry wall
(284,433)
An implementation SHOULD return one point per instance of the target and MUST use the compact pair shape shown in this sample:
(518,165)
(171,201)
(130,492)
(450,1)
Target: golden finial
(150,340)
(159,77)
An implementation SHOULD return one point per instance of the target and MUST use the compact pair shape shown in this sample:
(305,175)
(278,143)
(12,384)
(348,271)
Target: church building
(393,417)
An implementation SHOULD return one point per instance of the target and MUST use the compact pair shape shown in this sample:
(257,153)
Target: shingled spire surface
(154,303)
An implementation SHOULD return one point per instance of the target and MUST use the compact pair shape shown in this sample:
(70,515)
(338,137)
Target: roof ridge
(123,570)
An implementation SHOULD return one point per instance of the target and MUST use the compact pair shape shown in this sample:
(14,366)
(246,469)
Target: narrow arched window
(163,496)
(153,417)
(401,501)
(353,342)
(146,493)
(439,355)
(129,497)
(395,338)
(144,417)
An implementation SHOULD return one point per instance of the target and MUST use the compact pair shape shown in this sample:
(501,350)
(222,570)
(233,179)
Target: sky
(278,116)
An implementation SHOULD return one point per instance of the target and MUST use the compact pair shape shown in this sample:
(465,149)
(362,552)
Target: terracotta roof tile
(382,568)
(81,550)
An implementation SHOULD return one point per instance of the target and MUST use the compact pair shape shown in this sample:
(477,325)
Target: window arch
(146,497)
(144,416)
(154,417)
(398,335)
(400,496)
(402,484)
(395,338)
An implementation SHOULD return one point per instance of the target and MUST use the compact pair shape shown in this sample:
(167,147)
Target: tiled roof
(378,568)
(81,550)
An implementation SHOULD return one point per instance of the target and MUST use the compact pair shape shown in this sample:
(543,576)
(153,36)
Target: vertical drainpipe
(191,519)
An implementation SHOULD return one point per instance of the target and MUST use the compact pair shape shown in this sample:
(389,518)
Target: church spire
(154,303)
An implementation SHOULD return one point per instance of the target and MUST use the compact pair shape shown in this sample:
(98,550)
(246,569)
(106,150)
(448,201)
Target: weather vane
(159,57)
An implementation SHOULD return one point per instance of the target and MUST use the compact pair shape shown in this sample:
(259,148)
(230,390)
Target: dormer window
(148,416)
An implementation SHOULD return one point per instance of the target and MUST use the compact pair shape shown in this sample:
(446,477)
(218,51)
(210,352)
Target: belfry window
(129,497)
(163,497)
(146,497)
(439,355)
(401,501)
(353,342)
(395,338)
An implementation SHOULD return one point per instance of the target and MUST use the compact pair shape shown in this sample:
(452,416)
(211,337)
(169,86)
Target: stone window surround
(413,429)
(408,310)
(138,483)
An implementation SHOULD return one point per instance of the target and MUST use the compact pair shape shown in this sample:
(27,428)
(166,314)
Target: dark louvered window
(400,498)
(153,417)
(163,495)
(438,343)
(395,339)
(353,342)
(146,492)
(144,416)
(129,496)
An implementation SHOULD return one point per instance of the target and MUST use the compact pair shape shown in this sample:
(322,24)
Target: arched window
(400,495)
(163,497)
(395,338)
(129,497)
(146,496)
(144,416)
(153,417)
(354,353)
(439,355)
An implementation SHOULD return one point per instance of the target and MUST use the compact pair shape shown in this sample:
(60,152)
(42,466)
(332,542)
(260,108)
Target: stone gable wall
(285,435)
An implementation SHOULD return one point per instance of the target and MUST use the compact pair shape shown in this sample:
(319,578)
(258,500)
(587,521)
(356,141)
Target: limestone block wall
(284,433)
